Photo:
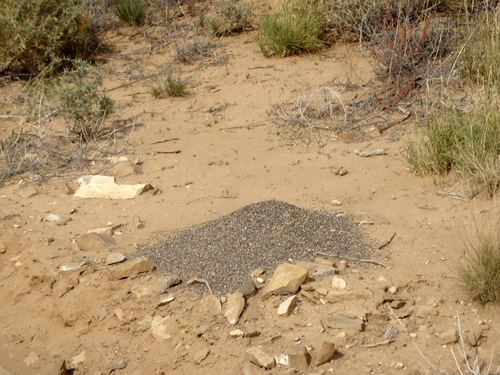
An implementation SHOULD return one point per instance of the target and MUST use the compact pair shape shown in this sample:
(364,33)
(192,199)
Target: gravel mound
(264,234)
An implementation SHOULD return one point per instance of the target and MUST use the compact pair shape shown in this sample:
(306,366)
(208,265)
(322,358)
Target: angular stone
(59,369)
(343,295)
(161,327)
(323,271)
(343,322)
(94,242)
(287,306)
(248,289)
(131,268)
(78,359)
(27,192)
(325,353)
(114,258)
(234,307)
(260,358)
(249,368)
(200,355)
(286,279)
(106,187)
(210,304)
(299,359)
(237,333)
(148,287)
(425,312)
(324,262)
(31,359)
(448,337)
(338,283)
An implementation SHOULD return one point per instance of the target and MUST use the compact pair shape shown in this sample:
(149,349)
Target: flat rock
(343,322)
(448,337)
(131,268)
(114,258)
(94,242)
(287,279)
(78,359)
(325,353)
(234,307)
(425,312)
(287,306)
(27,192)
(210,304)
(106,187)
(151,287)
(345,295)
(200,355)
(299,359)
(249,368)
(162,327)
(260,358)
(31,359)
(323,271)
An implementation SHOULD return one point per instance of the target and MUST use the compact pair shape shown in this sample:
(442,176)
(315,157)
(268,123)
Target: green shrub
(168,86)
(467,142)
(130,11)
(298,27)
(479,274)
(35,34)
(230,19)
(80,101)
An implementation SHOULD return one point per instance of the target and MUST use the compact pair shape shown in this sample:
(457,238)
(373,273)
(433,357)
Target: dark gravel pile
(264,234)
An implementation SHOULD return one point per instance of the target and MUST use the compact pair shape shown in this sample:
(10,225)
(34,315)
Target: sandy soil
(227,153)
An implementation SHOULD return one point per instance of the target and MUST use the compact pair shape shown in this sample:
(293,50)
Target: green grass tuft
(169,86)
(130,11)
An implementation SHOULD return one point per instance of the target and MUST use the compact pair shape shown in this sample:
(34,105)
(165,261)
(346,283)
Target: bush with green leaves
(169,86)
(34,34)
(81,102)
(130,11)
(298,27)
(229,19)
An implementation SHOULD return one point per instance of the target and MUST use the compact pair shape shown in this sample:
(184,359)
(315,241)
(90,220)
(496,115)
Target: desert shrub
(167,85)
(479,274)
(34,34)
(297,27)
(229,19)
(467,142)
(80,100)
(189,50)
(130,11)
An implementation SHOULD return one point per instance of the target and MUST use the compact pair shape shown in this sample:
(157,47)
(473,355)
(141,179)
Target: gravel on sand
(265,234)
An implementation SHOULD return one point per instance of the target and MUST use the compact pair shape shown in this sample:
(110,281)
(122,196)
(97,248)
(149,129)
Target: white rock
(336,202)
(287,306)
(338,283)
(393,290)
(161,328)
(235,306)
(114,258)
(78,359)
(31,359)
(260,358)
(106,187)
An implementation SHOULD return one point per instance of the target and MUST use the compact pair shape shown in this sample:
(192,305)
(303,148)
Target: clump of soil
(264,234)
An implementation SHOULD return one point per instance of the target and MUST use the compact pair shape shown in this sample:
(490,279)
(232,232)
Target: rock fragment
(323,271)
(343,322)
(426,311)
(27,192)
(299,359)
(106,187)
(343,295)
(31,359)
(131,268)
(93,242)
(161,328)
(200,355)
(114,258)
(448,337)
(287,306)
(210,304)
(338,283)
(248,289)
(235,306)
(260,358)
(325,353)
(287,279)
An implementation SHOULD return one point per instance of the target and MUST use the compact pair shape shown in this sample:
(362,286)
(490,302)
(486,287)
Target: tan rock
(200,355)
(162,327)
(114,258)
(286,279)
(325,353)
(287,306)
(448,337)
(345,295)
(210,304)
(94,242)
(3,371)
(106,187)
(324,262)
(343,322)
(299,359)
(260,358)
(131,268)
(31,359)
(234,307)
(425,312)
(27,192)
(338,283)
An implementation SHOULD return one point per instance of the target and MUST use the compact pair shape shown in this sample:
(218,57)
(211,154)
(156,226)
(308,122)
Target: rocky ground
(91,303)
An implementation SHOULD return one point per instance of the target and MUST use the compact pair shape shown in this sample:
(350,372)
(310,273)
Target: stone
(473,337)
(166,299)
(147,287)
(94,242)
(299,359)
(287,306)
(59,369)
(393,290)
(397,304)
(338,283)
(161,328)
(341,265)
(257,272)
(324,271)
(343,322)
(121,315)
(325,353)
(210,304)
(200,355)
(448,337)
(118,365)
(324,262)
(343,295)
(54,218)
(248,289)
(234,307)
(426,312)
(287,279)
(249,368)
(108,231)
(237,333)
(399,366)
(3,247)
(260,358)
(131,268)
(114,258)
(31,359)
(78,359)
(336,202)
(106,187)
(27,192)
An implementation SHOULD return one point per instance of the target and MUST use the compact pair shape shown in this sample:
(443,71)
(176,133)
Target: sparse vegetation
(167,85)
(189,50)
(35,34)
(81,102)
(130,11)
(229,19)
(479,273)
(296,28)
